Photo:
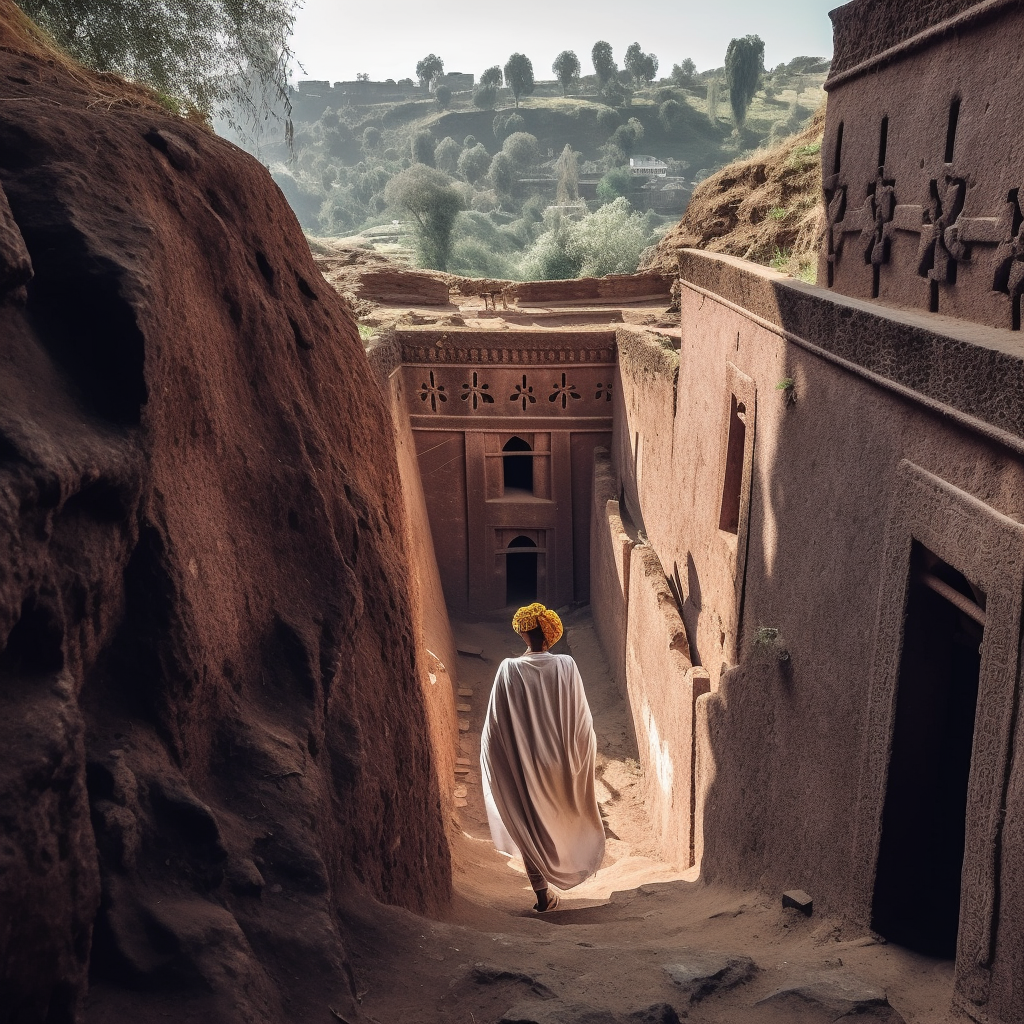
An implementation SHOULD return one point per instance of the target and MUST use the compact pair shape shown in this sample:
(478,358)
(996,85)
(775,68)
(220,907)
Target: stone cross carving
(835,211)
(1009,274)
(946,235)
(873,221)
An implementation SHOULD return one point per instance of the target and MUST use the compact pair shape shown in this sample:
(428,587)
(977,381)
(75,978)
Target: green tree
(604,66)
(429,197)
(522,149)
(714,98)
(485,96)
(207,54)
(443,95)
(648,68)
(422,147)
(744,64)
(502,174)
(670,113)
(446,155)
(615,183)
(492,76)
(371,137)
(682,73)
(633,62)
(519,75)
(505,125)
(429,68)
(567,69)
(474,163)
(567,172)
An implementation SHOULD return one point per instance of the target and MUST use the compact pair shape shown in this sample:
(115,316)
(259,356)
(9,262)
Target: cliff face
(210,708)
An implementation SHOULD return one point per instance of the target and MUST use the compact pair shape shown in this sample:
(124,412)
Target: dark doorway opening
(920,859)
(517,469)
(521,573)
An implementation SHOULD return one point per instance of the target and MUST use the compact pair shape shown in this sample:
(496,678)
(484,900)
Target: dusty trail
(642,941)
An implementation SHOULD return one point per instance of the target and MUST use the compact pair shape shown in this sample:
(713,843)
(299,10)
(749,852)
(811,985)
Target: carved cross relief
(1009,273)
(872,221)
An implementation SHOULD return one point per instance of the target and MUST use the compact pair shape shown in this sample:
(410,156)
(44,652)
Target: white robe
(537,758)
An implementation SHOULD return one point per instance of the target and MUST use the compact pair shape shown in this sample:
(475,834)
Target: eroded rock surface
(208,668)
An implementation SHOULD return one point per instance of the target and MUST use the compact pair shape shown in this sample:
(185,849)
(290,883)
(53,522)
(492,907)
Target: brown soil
(609,953)
(766,208)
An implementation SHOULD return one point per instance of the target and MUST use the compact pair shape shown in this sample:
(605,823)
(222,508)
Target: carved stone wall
(923,158)
(874,428)
(468,394)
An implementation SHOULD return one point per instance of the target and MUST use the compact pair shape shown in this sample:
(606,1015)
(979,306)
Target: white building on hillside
(647,166)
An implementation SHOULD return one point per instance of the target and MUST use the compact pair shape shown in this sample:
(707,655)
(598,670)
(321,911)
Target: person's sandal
(552,904)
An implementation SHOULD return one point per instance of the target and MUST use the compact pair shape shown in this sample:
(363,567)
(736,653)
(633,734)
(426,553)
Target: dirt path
(641,941)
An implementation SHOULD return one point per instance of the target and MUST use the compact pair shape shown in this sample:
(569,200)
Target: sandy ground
(640,941)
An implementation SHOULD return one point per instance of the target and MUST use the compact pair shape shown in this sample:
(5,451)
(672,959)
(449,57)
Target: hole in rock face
(35,645)
(101,501)
(86,326)
(521,573)
(265,268)
(304,287)
(838,160)
(921,855)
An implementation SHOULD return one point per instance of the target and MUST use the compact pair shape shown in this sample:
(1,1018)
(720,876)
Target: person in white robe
(537,757)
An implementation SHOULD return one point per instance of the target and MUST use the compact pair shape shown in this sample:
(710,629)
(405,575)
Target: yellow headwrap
(534,615)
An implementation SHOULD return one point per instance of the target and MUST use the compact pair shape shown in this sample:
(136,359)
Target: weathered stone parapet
(869,32)
(662,686)
(520,347)
(969,372)
(610,547)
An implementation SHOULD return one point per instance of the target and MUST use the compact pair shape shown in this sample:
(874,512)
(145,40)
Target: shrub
(474,163)
(446,155)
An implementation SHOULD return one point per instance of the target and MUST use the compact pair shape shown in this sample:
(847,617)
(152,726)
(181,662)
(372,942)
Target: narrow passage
(639,943)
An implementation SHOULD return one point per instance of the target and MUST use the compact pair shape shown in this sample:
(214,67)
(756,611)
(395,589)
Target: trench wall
(888,427)
(435,640)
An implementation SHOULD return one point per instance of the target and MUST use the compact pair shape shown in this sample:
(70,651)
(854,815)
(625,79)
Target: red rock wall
(613,288)
(211,718)
(435,641)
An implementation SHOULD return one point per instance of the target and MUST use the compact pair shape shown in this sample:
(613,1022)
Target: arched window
(517,469)
(521,572)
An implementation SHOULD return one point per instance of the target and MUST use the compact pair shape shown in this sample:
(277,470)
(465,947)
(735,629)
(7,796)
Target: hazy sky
(336,39)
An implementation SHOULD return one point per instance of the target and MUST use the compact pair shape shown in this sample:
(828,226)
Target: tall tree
(744,64)
(682,73)
(492,76)
(567,169)
(207,54)
(519,75)
(604,66)
(429,68)
(434,203)
(642,67)
(567,69)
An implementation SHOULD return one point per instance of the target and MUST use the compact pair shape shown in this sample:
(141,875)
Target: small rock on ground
(701,974)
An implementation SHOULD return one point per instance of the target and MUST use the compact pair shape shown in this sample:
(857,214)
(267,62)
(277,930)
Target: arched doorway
(521,572)
(517,470)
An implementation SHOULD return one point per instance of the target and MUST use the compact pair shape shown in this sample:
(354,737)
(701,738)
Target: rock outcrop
(211,721)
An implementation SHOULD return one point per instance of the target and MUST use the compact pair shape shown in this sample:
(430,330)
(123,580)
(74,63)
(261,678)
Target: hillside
(766,208)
